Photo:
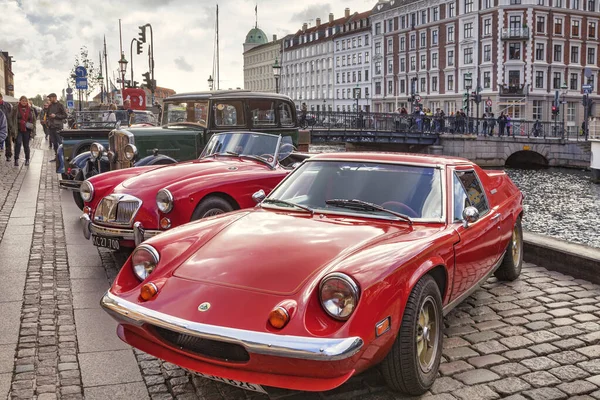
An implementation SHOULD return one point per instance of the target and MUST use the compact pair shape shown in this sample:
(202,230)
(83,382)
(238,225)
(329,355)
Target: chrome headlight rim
(130,149)
(86,191)
(140,270)
(353,289)
(96,150)
(169,198)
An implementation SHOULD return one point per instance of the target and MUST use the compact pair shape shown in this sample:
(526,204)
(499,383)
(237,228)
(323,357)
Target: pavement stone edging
(46,364)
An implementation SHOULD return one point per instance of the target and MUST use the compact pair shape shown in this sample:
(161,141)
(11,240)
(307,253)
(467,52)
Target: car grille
(117,141)
(117,210)
(204,347)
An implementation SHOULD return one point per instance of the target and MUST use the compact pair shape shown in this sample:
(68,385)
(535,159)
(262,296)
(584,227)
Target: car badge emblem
(204,307)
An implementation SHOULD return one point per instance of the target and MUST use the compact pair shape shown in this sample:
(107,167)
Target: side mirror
(470,215)
(259,196)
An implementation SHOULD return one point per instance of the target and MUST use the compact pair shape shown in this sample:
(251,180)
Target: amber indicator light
(382,327)
(165,223)
(149,290)
(87,210)
(279,317)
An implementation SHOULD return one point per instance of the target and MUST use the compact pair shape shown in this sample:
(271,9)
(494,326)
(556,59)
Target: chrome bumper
(138,234)
(299,347)
(69,184)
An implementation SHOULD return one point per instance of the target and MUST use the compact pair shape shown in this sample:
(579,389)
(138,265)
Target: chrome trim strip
(70,184)
(469,292)
(119,233)
(297,347)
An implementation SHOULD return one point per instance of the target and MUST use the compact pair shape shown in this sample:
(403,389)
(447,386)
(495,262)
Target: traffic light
(466,102)
(555,110)
(147,80)
(140,50)
(477,98)
(142,35)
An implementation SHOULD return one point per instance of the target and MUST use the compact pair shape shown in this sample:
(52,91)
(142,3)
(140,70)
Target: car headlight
(130,151)
(87,191)
(164,201)
(144,260)
(96,149)
(339,295)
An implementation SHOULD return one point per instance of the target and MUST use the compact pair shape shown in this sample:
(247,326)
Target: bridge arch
(527,159)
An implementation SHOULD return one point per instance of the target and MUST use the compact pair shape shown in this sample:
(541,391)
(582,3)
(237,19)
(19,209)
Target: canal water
(558,202)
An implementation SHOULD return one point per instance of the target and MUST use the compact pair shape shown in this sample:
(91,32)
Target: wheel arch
(225,196)
(436,267)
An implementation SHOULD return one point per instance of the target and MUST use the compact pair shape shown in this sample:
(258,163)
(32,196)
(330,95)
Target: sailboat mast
(217,74)
(106,71)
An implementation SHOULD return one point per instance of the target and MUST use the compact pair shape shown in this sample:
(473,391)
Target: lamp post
(100,79)
(468,86)
(210,83)
(123,69)
(564,88)
(276,74)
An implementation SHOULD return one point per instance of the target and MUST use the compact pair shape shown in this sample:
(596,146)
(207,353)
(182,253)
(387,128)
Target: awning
(9,99)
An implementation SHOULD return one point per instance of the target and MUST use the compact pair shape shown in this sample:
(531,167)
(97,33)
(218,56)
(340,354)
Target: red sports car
(124,207)
(351,261)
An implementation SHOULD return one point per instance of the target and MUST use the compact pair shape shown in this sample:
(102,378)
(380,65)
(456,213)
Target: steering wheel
(401,208)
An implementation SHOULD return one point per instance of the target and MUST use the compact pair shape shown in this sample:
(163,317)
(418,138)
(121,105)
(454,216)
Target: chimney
(347,13)
(274,38)
(318,22)
(304,27)
(330,17)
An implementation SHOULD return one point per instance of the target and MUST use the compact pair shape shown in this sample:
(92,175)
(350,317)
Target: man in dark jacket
(56,116)
(6,109)
(3,127)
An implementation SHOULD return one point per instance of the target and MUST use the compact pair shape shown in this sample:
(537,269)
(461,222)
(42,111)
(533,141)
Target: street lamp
(468,81)
(123,68)
(210,83)
(564,88)
(100,79)
(468,86)
(276,74)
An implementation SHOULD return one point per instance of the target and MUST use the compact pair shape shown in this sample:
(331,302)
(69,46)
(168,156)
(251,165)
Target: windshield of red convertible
(193,111)
(410,190)
(242,144)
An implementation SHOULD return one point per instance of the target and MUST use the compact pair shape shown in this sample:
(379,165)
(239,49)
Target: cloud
(310,13)
(183,65)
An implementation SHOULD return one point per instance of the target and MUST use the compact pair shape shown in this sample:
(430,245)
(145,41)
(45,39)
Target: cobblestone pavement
(535,338)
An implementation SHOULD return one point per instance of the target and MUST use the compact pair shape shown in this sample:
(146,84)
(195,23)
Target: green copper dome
(256,36)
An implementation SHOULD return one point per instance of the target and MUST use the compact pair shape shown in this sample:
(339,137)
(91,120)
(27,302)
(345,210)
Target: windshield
(413,191)
(193,111)
(242,144)
(100,119)
(144,118)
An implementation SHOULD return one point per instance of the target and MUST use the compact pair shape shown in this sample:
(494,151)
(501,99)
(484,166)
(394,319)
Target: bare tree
(82,59)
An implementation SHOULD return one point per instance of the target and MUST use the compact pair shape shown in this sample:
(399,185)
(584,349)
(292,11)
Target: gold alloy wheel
(212,212)
(516,246)
(427,334)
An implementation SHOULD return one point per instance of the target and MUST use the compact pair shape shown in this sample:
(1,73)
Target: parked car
(124,207)
(350,262)
(188,122)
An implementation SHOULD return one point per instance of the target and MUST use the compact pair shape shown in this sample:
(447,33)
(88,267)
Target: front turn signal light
(149,290)
(87,210)
(279,317)
(165,223)
(382,327)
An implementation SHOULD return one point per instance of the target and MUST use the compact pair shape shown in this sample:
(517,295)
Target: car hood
(166,175)
(278,253)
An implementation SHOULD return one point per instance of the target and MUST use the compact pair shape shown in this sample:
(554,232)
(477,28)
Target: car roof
(218,94)
(425,159)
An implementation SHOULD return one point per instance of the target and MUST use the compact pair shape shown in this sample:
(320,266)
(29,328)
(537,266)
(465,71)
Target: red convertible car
(124,207)
(351,261)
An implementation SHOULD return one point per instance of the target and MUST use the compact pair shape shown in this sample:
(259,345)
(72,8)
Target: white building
(259,57)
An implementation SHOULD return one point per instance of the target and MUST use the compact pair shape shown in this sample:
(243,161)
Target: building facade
(7,82)
(258,65)
(518,53)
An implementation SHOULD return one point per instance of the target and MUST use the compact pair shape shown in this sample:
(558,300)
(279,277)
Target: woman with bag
(23,121)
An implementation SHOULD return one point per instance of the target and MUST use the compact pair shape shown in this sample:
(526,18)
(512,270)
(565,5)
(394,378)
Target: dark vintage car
(349,263)
(188,122)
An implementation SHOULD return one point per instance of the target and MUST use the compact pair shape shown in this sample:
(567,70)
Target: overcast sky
(45,36)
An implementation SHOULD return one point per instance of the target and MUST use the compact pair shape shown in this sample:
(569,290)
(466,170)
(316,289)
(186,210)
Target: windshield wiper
(356,204)
(288,203)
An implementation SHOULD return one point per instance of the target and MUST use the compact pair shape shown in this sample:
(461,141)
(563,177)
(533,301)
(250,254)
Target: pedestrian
(492,124)
(110,116)
(508,125)
(3,127)
(23,122)
(6,109)
(501,123)
(56,117)
(44,121)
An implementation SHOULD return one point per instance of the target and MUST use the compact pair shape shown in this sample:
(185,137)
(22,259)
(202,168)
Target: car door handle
(498,215)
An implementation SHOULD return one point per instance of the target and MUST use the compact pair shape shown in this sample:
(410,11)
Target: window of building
(366,92)
(450,82)
(377,48)
(413,63)
(451,12)
(575,28)
(468,6)
(337,94)
(450,34)
(360,76)
(378,28)
(337,45)
(487,53)
(468,30)
(575,4)
(487,80)
(540,2)
(590,81)
(413,20)
(402,43)
(537,110)
(377,87)
(592,30)
(366,40)
(360,41)
(434,60)
(591,56)
(353,42)
(343,61)
(515,2)
(558,53)
(434,37)
(413,41)
(571,111)
(402,86)
(403,22)
(343,78)
(390,25)
(434,84)
(337,78)
(450,58)
(591,5)
(423,85)
(574,54)
(573,82)
(487,27)
(423,17)
(558,30)
(423,41)
(558,3)
(556,80)
(468,55)
(353,59)
(487,4)
(390,46)
(343,45)
(402,65)
(353,76)
(539,79)
(367,57)
(436,13)
(366,75)
(541,25)
(377,67)
(514,51)
(423,61)
(390,69)
(515,23)
(539,52)
(359,58)
(390,87)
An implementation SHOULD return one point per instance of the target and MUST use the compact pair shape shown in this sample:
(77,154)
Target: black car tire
(210,206)
(510,268)
(77,195)
(402,367)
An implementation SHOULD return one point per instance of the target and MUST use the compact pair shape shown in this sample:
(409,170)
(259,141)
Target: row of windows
(353,59)
(262,57)
(351,43)
(540,26)
(349,93)
(557,54)
(354,76)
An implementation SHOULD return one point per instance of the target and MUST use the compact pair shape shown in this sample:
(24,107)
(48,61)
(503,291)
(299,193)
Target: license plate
(109,243)
(239,384)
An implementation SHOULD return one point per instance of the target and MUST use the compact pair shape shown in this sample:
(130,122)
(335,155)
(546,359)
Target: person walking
(508,125)
(56,117)
(501,124)
(23,121)
(6,109)
(3,127)
(44,121)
